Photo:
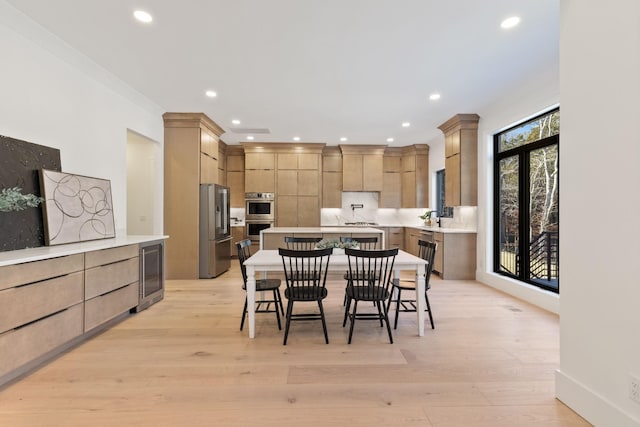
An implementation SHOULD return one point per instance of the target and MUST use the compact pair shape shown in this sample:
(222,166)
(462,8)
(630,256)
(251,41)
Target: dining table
(264,261)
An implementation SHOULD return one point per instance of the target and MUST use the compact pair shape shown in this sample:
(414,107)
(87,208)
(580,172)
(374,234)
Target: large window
(526,208)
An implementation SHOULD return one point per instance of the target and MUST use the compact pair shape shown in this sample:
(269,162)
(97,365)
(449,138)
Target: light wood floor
(183,362)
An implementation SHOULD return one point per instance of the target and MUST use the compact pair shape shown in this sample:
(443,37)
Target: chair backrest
(427,251)
(306,270)
(301,243)
(367,243)
(371,270)
(244,252)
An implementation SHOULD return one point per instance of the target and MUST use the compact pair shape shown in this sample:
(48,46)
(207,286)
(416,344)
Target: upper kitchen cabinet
(190,158)
(259,169)
(391,196)
(415,176)
(235,175)
(222,163)
(362,167)
(331,177)
(461,159)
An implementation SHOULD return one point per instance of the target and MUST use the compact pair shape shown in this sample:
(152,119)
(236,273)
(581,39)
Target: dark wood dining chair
(305,273)
(301,243)
(426,251)
(370,277)
(263,305)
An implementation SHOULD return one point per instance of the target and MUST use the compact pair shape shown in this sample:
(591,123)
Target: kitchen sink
(361,223)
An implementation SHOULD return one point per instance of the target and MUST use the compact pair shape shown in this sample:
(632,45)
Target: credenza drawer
(25,304)
(105,278)
(20,346)
(105,307)
(29,272)
(108,256)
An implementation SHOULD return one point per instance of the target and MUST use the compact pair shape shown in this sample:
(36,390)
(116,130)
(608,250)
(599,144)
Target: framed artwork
(76,208)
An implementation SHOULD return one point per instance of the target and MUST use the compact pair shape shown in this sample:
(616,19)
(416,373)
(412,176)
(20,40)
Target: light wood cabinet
(391,196)
(415,176)
(438,262)
(47,305)
(190,148)
(394,237)
(237,234)
(259,171)
(456,256)
(331,178)
(235,175)
(362,167)
(461,160)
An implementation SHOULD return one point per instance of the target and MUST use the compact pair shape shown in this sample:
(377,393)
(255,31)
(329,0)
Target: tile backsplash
(464,217)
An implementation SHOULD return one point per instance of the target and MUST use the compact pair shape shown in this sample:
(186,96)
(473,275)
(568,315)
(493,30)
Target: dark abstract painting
(19,165)
(76,208)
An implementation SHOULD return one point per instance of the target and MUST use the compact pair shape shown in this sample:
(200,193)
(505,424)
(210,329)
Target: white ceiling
(318,69)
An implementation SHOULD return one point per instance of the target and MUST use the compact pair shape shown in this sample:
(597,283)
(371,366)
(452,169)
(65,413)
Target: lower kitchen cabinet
(455,257)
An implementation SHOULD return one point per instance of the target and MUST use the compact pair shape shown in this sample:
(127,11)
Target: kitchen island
(273,238)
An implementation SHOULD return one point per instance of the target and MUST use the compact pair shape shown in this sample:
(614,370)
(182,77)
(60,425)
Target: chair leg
(280,301)
(324,323)
(286,328)
(399,296)
(426,297)
(353,319)
(244,313)
(377,305)
(346,310)
(386,320)
(275,305)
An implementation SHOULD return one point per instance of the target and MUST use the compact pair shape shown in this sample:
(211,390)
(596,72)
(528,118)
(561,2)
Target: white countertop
(336,229)
(45,252)
(420,227)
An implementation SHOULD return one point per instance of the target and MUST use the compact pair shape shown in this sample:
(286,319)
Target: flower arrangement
(12,199)
(335,243)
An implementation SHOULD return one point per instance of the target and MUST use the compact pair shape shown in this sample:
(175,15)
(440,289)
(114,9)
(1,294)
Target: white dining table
(270,260)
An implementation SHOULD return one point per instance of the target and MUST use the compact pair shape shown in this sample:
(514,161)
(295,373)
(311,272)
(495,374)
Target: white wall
(599,165)
(51,95)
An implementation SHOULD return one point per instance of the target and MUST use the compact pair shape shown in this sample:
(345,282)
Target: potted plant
(426,217)
(337,245)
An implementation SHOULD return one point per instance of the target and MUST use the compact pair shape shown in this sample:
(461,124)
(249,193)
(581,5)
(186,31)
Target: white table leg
(251,300)
(421,303)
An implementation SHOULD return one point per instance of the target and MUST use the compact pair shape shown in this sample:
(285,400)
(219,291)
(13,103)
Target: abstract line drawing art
(76,208)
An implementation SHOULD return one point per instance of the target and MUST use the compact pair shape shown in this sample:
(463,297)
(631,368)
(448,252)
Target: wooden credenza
(49,305)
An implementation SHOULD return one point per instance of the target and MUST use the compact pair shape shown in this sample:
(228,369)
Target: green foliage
(12,199)
(426,215)
(335,243)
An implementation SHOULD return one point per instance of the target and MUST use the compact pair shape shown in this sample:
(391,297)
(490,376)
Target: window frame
(524,173)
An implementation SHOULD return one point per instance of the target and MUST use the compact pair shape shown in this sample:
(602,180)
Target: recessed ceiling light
(143,16)
(250,138)
(389,139)
(296,138)
(510,22)
(211,94)
(343,139)
(406,124)
(434,96)
(235,121)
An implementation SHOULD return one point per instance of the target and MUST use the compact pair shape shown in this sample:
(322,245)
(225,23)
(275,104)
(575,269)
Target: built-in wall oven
(260,213)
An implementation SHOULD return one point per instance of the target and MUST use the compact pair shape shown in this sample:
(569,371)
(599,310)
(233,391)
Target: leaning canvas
(76,208)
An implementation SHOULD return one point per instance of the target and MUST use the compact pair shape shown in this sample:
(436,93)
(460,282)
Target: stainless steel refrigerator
(215,230)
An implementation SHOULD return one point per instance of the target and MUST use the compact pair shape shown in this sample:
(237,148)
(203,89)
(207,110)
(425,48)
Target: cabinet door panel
(391,196)
(372,172)
(409,189)
(452,180)
(235,181)
(332,190)
(259,161)
(308,212)
(287,211)
(287,183)
(308,183)
(352,172)
(262,181)
(308,161)
(287,161)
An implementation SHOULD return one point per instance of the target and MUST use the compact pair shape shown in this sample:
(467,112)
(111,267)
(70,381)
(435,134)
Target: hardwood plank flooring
(183,362)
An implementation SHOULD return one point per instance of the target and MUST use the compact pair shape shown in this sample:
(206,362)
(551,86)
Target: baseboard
(532,294)
(589,405)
